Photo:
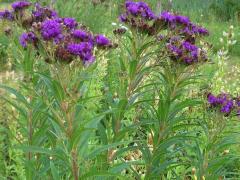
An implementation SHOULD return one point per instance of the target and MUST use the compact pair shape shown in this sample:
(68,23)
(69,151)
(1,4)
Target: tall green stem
(75,168)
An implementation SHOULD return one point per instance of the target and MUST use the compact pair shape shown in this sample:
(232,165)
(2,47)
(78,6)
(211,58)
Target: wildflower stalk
(75,168)
(64,75)
(216,131)
(29,154)
(135,68)
(28,70)
(135,57)
(30,133)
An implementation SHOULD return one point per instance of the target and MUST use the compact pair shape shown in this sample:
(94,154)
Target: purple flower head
(192,29)
(6,15)
(146,11)
(84,50)
(82,35)
(223,101)
(102,41)
(182,20)
(23,40)
(194,54)
(19,5)
(187,31)
(53,13)
(187,28)
(26,38)
(58,20)
(175,50)
(123,18)
(38,14)
(192,50)
(129,3)
(227,107)
(212,100)
(70,23)
(168,17)
(143,6)
(41,13)
(222,98)
(203,31)
(132,8)
(58,39)
(140,9)
(180,49)
(149,15)
(189,47)
(138,15)
(50,29)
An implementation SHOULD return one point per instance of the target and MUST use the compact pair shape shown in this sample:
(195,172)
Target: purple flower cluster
(140,9)
(6,14)
(19,5)
(224,102)
(167,17)
(70,23)
(181,39)
(181,24)
(170,18)
(84,50)
(51,29)
(17,12)
(61,35)
(184,51)
(193,30)
(138,15)
(82,36)
(26,38)
(41,13)
(72,42)
(81,44)
(102,41)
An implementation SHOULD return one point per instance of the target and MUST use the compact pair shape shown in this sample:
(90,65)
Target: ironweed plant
(214,157)
(145,120)
(53,94)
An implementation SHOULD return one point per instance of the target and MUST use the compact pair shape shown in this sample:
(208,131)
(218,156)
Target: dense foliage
(138,104)
(228,7)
